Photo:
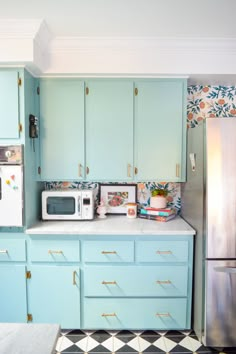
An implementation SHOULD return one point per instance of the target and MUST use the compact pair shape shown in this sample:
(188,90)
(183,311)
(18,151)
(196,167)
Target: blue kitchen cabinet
(109,130)
(137,283)
(54,295)
(9,104)
(160,130)
(13,304)
(54,282)
(62,129)
(13,293)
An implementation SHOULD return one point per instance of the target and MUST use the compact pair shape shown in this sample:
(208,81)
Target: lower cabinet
(13,293)
(135,313)
(54,295)
(96,282)
(145,283)
(13,304)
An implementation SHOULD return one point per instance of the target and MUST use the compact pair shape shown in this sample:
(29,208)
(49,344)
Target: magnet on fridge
(8,181)
(13,177)
(15,187)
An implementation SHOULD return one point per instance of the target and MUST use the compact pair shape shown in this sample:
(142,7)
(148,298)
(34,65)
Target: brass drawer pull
(55,252)
(109,314)
(163,282)
(177,169)
(109,252)
(109,282)
(163,252)
(163,314)
(80,170)
(3,251)
(74,277)
(128,170)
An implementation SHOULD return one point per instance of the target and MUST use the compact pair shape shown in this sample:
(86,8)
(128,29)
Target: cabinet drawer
(162,251)
(167,281)
(55,250)
(108,251)
(135,313)
(12,251)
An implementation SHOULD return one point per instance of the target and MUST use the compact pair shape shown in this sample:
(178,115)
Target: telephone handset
(33,126)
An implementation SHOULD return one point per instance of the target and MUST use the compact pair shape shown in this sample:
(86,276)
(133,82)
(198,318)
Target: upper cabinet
(160,130)
(113,129)
(62,129)
(9,104)
(109,130)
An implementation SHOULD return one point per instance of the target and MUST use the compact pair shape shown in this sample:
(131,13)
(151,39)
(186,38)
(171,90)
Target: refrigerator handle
(229,270)
(0,188)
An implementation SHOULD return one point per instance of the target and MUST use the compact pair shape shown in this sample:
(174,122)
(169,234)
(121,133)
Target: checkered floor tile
(133,342)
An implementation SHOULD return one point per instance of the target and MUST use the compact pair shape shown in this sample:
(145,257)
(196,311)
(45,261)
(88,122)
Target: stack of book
(163,215)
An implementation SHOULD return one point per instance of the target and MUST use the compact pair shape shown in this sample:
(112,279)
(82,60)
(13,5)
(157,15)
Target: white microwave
(69,204)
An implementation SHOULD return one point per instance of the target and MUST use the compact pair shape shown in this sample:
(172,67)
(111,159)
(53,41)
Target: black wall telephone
(33,126)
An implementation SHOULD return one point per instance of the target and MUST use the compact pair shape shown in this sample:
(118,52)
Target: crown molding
(168,44)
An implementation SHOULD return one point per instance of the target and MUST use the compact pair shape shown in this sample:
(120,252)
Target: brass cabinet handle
(55,252)
(109,282)
(163,282)
(80,170)
(163,252)
(74,277)
(87,170)
(109,314)
(135,171)
(177,169)
(109,252)
(3,251)
(163,314)
(128,170)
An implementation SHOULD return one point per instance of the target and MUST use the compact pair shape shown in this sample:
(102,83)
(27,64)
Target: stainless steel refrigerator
(209,205)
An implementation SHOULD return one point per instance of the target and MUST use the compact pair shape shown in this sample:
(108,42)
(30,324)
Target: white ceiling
(131,18)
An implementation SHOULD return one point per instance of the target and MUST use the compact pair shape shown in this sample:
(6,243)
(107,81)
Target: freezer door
(11,196)
(221,188)
(220,304)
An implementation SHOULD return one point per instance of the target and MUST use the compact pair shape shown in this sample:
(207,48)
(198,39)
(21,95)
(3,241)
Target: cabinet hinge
(28,274)
(87,90)
(19,81)
(29,317)
(39,170)
(136,91)
(20,127)
(38,90)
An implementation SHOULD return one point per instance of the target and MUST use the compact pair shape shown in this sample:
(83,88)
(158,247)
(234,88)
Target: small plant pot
(158,202)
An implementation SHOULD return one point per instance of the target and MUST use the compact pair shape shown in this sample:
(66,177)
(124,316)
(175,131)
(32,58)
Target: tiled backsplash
(202,102)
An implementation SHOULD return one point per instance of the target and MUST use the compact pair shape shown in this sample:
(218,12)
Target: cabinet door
(109,130)
(54,295)
(13,293)
(62,129)
(9,105)
(160,130)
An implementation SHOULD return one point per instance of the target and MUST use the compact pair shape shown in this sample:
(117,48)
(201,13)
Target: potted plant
(158,198)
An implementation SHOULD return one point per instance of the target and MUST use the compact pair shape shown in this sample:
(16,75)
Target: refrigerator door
(221,188)
(220,313)
(11,196)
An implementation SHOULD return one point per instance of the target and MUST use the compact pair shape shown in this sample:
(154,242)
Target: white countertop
(113,225)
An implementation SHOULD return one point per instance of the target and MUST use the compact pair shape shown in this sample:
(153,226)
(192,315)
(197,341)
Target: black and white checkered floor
(133,342)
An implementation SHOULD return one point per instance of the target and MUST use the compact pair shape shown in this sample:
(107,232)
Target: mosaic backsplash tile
(143,190)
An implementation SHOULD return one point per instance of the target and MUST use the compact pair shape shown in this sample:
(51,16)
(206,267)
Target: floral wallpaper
(202,101)
(143,191)
(210,101)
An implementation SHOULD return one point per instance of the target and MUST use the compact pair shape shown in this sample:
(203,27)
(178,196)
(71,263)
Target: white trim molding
(30,43)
